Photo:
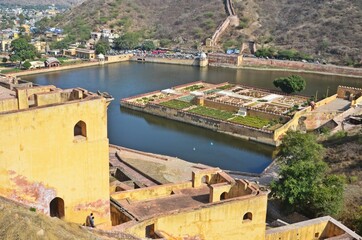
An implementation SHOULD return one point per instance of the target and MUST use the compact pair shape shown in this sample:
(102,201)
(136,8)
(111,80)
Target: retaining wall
(330,69)
(189,62)
(249,133)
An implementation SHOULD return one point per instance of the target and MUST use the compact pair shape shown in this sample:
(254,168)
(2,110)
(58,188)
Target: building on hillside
(41,47)
(36,64)
(85,53)
(96,36)
(211,206)
(5,45)
(217,59)
(52,62)
(26,28)
(58,37)
(54,150)
(55,52)
(71,52)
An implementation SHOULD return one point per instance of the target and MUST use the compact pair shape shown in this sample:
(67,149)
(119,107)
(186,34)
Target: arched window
(57,207)
(80,129)
(205,179)
(248,216)
(223,196)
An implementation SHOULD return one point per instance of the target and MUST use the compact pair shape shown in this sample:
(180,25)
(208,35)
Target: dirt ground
(19,222)
(344,157)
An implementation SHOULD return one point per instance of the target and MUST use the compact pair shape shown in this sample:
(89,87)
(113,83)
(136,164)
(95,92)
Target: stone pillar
(22,97)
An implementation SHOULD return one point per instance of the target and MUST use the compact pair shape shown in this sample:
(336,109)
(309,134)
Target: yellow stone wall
(153,192)
(213,221)
(308,230)
(41,159)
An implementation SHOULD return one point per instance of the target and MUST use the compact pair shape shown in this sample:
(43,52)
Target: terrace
(208,186)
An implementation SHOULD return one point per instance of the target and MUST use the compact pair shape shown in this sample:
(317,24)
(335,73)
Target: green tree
(266,52)
(5,60)
(148,46)
(304,183)
(27,65)
(298,146)
(22,50)
(291,84)
(127,41)
(102,47)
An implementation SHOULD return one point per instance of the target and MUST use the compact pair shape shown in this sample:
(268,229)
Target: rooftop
(16,95)
(208,186)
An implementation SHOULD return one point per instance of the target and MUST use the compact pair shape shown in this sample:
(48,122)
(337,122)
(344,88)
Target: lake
(150,133)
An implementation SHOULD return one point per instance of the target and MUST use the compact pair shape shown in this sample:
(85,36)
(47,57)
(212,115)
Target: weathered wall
(319,228)
(220,105)
(330,69)
(345,92)
(151,192)
(214,222)
(291,125)
(118,58)
(189,62)
(219,59)
(9,104)
(41,159)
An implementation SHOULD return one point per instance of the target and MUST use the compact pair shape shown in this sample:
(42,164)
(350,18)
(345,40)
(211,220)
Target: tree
(148,46)
(102,47)
(22,50)
(127,41)
(291,84)
(304,183)
(298,146)
(27,65)
(4,60)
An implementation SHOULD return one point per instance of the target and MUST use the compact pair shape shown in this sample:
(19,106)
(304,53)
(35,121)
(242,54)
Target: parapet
(16,95)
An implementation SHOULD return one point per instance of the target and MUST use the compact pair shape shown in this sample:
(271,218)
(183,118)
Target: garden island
(246,112)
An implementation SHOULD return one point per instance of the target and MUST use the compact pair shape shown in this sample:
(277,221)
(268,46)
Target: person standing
(91,220)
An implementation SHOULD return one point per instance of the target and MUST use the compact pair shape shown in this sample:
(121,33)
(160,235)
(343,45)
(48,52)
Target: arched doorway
(57,208)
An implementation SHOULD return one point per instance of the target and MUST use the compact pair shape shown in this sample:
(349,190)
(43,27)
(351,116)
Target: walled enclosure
(43,158)
(235,206)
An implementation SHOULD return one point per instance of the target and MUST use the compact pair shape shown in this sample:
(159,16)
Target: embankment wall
(330,69)
(249,133)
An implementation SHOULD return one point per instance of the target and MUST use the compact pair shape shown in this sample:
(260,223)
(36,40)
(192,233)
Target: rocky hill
(66,3)
(182,22)
(329,30)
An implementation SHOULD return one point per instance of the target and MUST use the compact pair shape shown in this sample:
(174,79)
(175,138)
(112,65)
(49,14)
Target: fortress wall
(331,69)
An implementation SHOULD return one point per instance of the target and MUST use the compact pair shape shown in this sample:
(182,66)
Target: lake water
(150,133)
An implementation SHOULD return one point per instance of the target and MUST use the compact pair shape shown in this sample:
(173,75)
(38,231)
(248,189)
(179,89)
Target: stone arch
(223,196)
(56,207)
(248,216)
(80,129)
(205,179)
(347,94)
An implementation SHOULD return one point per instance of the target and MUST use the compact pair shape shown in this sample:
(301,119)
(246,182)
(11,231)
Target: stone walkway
(134,174)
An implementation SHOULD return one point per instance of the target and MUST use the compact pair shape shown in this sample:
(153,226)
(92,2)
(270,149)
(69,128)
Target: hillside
(329,29)
(182,22)
(40,3)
